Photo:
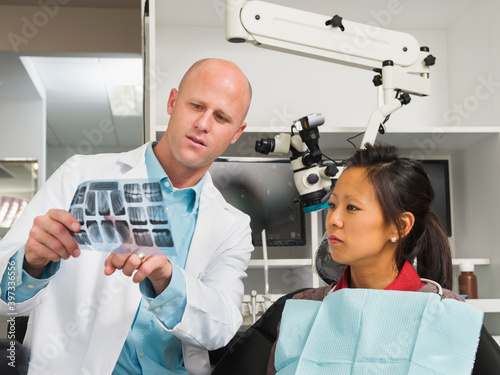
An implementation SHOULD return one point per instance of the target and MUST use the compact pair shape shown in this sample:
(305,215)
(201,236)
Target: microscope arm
(403,65)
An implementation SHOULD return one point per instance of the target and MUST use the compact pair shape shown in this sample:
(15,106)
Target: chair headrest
(329,270)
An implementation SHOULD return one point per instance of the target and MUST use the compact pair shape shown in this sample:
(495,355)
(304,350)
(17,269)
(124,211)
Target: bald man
(99,313)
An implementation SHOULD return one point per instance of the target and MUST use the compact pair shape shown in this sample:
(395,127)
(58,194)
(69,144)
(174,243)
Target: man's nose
(203,122)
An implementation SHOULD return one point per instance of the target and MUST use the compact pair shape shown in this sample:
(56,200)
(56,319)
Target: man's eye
(220,118)
(196,106)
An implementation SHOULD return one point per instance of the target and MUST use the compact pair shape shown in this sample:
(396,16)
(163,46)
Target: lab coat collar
(134,163)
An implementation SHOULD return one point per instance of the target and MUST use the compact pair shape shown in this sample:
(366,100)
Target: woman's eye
(350,207)
(332,206)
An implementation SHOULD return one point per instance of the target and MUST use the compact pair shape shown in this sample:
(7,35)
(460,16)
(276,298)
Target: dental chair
(248,353)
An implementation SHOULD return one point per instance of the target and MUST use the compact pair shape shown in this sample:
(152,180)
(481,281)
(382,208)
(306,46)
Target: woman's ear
(406,221)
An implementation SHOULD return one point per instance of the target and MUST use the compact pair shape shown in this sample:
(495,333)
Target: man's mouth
(197,140)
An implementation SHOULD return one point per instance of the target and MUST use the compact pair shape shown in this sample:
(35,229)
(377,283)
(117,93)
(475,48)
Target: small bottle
(467,281)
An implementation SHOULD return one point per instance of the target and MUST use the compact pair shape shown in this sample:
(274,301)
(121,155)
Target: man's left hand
(155,267)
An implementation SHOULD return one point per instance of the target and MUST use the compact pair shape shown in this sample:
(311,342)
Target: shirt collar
(407,280)
(155,170)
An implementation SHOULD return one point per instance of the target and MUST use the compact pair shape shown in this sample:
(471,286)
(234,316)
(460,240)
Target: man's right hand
(50,240)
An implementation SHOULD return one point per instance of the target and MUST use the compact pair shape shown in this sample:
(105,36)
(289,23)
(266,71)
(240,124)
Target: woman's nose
(334,218)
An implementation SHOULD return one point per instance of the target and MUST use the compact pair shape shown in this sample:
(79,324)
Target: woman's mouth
(333,240)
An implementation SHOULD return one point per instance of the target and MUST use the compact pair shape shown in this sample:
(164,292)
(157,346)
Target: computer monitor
(264,189)
(439,174)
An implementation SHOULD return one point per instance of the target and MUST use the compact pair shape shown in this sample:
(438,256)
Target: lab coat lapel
(134,163)
(211,227)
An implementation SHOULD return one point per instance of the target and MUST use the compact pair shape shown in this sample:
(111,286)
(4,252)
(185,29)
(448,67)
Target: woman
(379,224)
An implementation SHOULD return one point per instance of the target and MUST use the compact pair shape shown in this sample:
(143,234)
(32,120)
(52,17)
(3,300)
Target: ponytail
(431,250)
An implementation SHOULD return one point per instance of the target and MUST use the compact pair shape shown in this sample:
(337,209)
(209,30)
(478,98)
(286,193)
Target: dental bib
(367,331)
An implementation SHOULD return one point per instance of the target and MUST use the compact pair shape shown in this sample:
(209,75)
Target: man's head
(207,114)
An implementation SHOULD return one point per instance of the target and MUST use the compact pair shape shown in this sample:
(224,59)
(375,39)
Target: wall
(287,86)
(22,127)
(68,29)
(474,69)
(474,83)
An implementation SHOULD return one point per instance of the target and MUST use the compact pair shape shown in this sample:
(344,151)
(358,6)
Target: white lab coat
(82,318)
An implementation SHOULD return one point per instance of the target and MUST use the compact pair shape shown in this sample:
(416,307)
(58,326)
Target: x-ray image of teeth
(133,193)
(123,216)
(109,231)
(124,231)
(103,185)
(157,215)
(143,237)
(163,238)
(77,213)
(117,203)
(94,232)
(103,203)
(82,237)
(90,204)
(79,196)
(137,216)
(152,191)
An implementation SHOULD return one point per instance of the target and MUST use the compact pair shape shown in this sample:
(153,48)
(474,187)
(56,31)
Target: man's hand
(155,267)
(50,240)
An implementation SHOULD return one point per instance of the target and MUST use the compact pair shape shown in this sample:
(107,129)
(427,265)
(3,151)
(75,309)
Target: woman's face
(357,232)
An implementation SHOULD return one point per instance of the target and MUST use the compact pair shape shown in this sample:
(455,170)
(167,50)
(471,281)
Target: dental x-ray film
(122,216)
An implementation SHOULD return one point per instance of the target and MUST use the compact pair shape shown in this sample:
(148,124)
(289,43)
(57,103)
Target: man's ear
(406,222)
(238,132)
(171,100)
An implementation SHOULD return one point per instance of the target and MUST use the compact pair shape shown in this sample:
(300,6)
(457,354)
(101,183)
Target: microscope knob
(430,60)
(335,21)
(377,80)
(331,170)
(312,178)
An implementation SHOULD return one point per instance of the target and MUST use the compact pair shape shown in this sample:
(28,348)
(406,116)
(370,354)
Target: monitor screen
(438,171)
(264,189)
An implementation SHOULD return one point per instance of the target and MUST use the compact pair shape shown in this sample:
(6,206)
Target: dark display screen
(264,189)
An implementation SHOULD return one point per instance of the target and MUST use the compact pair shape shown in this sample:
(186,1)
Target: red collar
(407,280)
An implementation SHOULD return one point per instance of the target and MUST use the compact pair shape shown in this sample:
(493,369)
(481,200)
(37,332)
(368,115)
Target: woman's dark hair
(402,185)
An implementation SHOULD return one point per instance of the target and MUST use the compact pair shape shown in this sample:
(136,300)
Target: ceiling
(85,94)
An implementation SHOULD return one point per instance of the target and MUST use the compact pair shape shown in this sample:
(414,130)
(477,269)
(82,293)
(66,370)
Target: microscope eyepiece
(265,145)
